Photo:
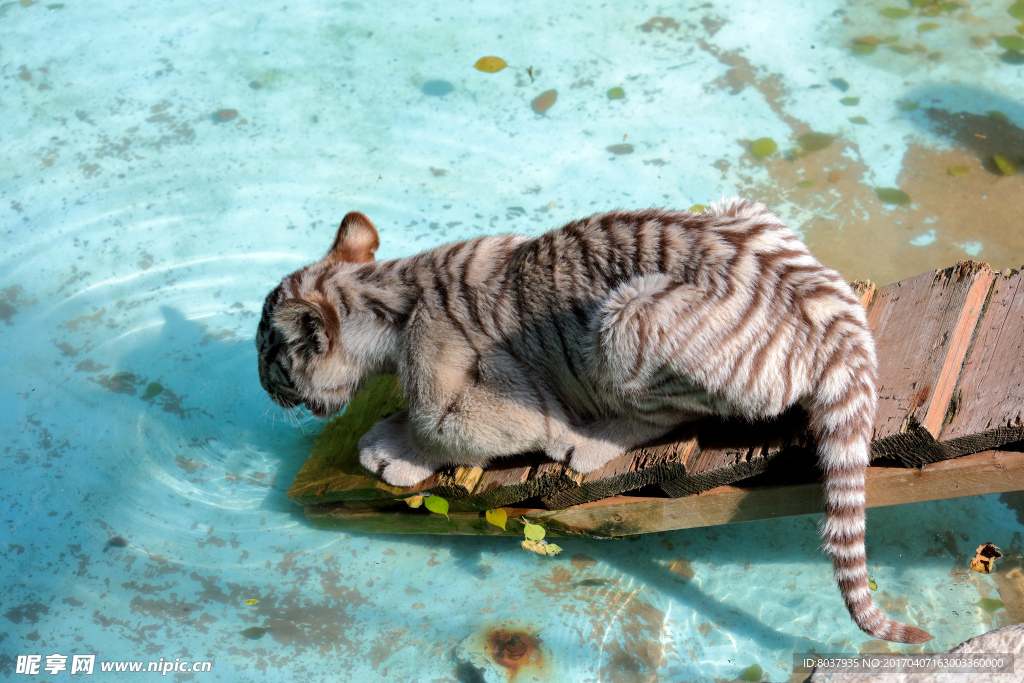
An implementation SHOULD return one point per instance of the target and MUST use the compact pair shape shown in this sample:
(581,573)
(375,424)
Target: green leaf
(892,195)
(763,147)
(894,12)
(858,119)
(860,48)
(1016,10)
(616,93)
(908,106)
(437,505)
(699,208)
(812,142)
(872,585)
(850,101)
(959,170)
(805,183)
(497,517)
(927,26)
(534,532)
(990,604)
(902,49)
(752,673)
(153,389)
(1015,43)
(1005,166)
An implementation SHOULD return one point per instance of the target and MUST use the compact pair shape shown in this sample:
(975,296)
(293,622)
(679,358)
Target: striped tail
(842,415)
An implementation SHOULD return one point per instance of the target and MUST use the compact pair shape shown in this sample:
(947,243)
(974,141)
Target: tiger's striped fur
(585,342)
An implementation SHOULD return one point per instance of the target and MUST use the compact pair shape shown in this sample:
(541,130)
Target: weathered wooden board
(951,360)
(624,515)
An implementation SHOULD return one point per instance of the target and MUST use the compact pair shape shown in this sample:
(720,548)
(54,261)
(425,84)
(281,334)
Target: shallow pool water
(164,164)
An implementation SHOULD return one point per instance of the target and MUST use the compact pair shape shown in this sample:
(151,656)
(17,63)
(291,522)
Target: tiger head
(315,341)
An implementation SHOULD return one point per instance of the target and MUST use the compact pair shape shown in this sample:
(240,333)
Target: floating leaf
(990,604)
(850,101)
(616,93)
(490,65)
(497,517)
(414,501)
(254,632)
(752,673)
(1012,57)
(763,147)
(1015,43)
(699,208)
(927,26)
(1016,10)
(872,585)
(534,532)
(892,195)
(541,547)
(805,183)
(858,120)
(841,83)
(812,142)
(894,12)
(958,170)
(250,601)
(542,102)
(437,505)
(1005,166)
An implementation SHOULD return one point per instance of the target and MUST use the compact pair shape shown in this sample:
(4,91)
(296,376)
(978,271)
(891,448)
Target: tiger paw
(386,451)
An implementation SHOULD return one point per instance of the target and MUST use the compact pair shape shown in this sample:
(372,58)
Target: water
(164,164)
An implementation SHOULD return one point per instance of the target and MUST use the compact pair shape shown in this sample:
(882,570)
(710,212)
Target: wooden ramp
(951,364)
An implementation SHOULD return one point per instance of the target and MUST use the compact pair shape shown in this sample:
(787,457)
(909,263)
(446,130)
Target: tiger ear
(303,325)
(356,241)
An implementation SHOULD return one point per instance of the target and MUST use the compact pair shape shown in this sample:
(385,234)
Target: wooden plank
(923,327)
(988,405)
(970,475)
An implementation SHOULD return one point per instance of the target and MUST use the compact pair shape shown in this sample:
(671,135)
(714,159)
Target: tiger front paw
(385,451)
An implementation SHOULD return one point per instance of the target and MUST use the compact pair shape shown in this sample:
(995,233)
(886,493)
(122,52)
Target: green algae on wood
(542,102)
(812,142)
(490,65)
(892,195)
(763,147)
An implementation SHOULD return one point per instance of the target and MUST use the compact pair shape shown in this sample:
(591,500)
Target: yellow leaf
(534,532)
(497,517)
(414,501)
(251,601)
(551,548)
(490,65)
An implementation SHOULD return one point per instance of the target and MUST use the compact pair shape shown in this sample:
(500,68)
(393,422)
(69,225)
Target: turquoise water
(165,164)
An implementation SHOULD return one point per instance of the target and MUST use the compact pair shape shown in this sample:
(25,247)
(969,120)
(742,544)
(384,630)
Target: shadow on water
(984,122)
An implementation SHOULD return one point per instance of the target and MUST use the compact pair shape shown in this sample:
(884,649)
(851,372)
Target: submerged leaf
(850,101)
(1016,10)
(894,12)
(841,83)
(437,505)
(534,532)
(752,673)
(927,26)
(902,49)
(860,48)
(812,142)
(990,604)
(763,147)
(858,119)
(1015,43)
(908,106)
(542,102)
(616,93)
(490,65)
(1012,57)
(805,183)
(959,170)
(497,517)
(892,195)
(254,632)
(1005,166)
